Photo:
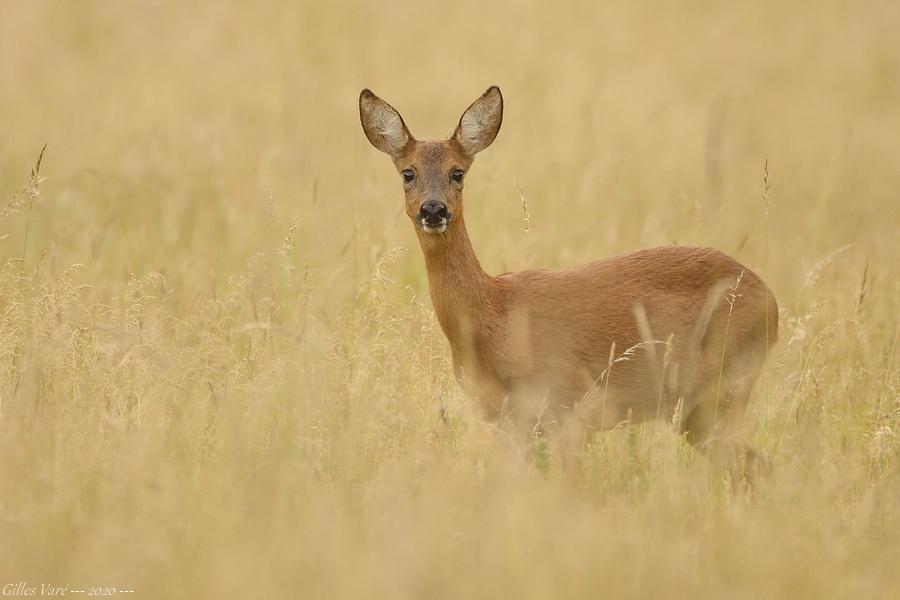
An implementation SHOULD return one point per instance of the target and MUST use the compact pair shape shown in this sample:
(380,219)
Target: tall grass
(220,373)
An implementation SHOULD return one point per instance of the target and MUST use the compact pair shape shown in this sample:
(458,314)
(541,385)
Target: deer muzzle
(434,216)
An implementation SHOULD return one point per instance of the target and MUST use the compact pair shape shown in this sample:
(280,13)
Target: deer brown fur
(624,338)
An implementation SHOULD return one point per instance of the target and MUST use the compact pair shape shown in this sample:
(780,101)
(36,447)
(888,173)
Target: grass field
(221,376)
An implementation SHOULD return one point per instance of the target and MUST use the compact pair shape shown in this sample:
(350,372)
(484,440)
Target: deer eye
(408,175)
(457,175)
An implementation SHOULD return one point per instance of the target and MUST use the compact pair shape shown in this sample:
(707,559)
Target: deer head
(432,170)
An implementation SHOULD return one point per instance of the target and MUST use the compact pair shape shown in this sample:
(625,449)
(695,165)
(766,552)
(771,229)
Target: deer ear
(480,123)
(383,125)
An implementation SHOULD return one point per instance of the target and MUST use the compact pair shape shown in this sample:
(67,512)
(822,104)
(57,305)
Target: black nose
(433,209)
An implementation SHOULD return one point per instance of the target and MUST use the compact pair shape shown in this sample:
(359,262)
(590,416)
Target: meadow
(220,373)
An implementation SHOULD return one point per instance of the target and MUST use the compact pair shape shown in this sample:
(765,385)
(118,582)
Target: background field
(219,371)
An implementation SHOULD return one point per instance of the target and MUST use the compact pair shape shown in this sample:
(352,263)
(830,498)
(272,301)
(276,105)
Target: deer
(652,334)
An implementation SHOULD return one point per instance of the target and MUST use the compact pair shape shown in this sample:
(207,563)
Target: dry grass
(219,378)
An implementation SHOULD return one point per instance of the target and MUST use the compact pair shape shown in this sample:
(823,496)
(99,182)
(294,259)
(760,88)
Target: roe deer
(581,344)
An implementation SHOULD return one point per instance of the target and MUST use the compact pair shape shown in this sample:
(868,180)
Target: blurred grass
(219,378)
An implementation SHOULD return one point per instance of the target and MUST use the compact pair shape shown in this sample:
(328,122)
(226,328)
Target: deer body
(624,337)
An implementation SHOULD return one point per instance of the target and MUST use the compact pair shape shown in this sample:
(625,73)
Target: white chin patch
(439,229)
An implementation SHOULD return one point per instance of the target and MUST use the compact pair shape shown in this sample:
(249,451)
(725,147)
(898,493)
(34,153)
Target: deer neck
(463,295)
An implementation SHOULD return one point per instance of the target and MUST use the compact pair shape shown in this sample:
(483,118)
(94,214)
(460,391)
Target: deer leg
(712,427)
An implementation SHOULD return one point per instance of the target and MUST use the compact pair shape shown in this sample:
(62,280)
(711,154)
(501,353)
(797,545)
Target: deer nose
(433,209)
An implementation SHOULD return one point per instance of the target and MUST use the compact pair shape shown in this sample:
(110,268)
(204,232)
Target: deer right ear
(383,125)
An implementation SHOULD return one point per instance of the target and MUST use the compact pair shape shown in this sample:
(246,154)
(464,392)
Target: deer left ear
(480,123)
